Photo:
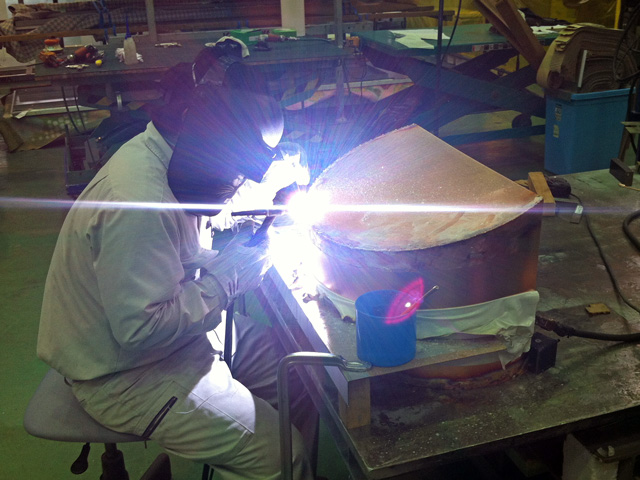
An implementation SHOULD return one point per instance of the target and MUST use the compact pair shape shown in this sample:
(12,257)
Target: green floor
(27,238)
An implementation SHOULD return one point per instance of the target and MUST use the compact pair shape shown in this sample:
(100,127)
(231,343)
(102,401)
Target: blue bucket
(385,332)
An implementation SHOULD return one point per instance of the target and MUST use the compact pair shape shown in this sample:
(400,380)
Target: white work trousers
(223,420)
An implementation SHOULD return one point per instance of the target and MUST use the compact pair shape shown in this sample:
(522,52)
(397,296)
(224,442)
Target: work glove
(250,196)
(238,268)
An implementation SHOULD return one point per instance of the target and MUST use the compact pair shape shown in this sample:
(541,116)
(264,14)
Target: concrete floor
(27,239)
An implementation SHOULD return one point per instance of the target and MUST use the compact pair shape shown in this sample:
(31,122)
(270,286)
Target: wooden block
(597,309)
(357,411)
(538,184)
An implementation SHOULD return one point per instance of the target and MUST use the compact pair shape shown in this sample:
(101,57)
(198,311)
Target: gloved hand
(250,196)
(240,269)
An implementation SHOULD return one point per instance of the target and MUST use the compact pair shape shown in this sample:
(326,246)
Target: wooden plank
(356,412)
(538,184)
(489,11)
(532,49)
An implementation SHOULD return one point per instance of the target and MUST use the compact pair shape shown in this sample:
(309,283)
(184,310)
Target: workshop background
(32,167)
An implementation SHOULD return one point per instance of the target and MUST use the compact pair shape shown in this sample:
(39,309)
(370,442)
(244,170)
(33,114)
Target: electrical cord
(453,30)
(361,80)
(75,99)
(75,127)
(607,266)
(565,331)
(627,34)
(66,106)
(562,330)
(627,231)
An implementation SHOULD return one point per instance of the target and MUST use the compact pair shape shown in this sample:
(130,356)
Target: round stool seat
(54,413)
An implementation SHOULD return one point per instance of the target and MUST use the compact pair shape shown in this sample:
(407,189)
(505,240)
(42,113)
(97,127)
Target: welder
(131,294)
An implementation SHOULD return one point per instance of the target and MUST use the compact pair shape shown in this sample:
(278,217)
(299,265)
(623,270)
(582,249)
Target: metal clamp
(302,358)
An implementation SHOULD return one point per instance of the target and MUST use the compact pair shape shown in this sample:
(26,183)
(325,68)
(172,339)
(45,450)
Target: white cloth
(126,317)
(512,319)
(120,56)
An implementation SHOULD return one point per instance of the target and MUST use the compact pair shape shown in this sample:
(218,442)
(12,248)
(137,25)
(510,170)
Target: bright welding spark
(308,208)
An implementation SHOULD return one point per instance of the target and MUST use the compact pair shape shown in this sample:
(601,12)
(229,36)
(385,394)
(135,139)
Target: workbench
(418,424)
(283,57)
(467,88)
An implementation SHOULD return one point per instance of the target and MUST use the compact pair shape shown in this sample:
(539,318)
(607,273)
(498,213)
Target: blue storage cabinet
(583,130)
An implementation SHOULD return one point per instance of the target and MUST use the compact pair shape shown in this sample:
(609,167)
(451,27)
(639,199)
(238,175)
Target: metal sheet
(478,243)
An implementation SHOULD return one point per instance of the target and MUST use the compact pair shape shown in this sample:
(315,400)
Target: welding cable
(625,227)
(75,98)
(455,25)
(362,77)
(632,103)
(627,34)
(607,266)
(561,330)
(94,162)
(566,331)
(66,106)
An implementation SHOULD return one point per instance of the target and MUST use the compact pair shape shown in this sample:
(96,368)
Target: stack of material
(581,59)
(506,18)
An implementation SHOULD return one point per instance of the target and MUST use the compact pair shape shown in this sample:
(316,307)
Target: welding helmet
(229,133)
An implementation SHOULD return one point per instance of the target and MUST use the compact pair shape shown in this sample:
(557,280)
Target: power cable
(66,106)
(630,42)
(453,30)
(542,318)
(75,93)
(625,228)
(607,266)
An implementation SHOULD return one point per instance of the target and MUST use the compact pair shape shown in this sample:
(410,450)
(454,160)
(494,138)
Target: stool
(54,413)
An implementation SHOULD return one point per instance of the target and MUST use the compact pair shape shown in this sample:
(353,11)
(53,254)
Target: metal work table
(470,87)
(419,424)
(283,57)
(467,38)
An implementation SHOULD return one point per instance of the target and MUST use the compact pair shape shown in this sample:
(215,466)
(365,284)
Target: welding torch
(293,156)
(261,233)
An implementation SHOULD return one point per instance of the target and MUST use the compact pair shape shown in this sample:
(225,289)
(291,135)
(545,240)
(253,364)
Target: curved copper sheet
(412,166)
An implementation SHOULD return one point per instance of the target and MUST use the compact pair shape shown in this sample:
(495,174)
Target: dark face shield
(228,134)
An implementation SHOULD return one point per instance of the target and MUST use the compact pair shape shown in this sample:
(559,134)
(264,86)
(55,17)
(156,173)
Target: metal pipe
(151,20)
(439,59)
(337,18)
